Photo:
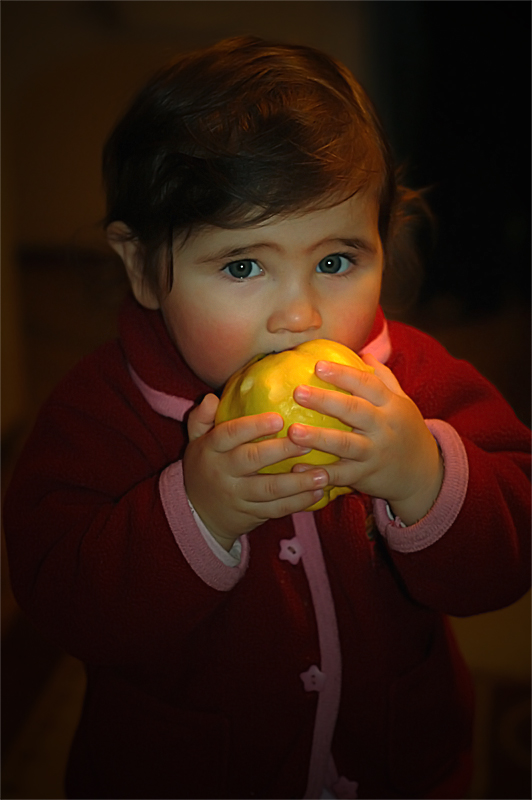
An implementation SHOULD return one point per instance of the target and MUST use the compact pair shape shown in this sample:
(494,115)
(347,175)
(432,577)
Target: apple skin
(267,383)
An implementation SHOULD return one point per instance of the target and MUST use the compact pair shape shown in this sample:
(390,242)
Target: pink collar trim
(380,346)
(166,404)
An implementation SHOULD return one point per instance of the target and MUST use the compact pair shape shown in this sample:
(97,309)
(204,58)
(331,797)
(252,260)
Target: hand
(390,453)
(220,468)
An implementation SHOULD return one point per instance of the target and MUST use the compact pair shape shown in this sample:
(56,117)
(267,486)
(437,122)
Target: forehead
(356,217)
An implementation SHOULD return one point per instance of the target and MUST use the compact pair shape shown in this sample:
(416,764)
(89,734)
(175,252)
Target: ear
(121,239)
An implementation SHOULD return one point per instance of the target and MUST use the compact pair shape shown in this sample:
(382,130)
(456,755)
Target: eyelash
(350,257)
(240,261)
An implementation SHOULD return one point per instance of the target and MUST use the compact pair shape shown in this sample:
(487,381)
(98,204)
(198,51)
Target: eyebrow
(235,252)
(356,243)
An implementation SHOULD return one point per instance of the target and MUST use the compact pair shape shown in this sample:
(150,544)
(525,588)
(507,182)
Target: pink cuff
(445,510)
(189,538)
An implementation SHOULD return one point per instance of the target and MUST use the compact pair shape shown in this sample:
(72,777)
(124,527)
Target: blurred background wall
(451,81)
(452,84)
(69,69)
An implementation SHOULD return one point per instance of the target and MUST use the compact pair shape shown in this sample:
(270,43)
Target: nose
(295,311)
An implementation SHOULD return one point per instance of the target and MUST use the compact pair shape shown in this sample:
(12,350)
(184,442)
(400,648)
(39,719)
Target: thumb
(201,418)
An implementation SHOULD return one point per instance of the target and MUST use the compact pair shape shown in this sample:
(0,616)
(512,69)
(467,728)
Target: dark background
(454,88)
(451,81)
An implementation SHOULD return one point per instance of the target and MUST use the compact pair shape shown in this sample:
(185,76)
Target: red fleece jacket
(327,639)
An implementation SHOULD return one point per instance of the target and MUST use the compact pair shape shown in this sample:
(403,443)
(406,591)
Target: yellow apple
(267,383)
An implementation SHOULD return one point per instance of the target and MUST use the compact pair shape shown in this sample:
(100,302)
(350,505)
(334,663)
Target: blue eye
(246,268)
(332,265)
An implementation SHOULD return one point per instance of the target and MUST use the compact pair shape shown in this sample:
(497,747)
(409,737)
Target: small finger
(284,506)
(234,432)
(291,505)
(356,412)
(254,456)
(341,472)
(355,381)
(302,467)
(271,487)
(340,443)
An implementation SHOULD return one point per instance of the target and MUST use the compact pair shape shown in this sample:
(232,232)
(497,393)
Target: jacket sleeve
(471,553)
(94,558)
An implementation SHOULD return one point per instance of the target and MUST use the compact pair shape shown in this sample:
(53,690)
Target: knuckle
(270,487)
(217,444)
(344,442)
(353,404)
(288,448)
(253,455)
(319,394)
(282,509)
(365,378)
(193,428)
(232,427)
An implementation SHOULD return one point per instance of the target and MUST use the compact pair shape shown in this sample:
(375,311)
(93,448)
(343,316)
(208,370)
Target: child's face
(240,293)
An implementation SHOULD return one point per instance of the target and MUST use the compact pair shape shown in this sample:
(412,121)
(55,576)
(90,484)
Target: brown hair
(237,133)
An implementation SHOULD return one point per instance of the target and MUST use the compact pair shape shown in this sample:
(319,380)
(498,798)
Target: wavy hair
(240,132)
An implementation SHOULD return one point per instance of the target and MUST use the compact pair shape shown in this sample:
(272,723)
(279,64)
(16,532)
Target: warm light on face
(239,293)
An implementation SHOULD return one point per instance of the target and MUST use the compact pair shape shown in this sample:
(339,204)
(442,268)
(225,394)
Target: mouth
(286,349)
(276,352)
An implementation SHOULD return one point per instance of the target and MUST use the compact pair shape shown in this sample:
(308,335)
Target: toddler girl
(237,645)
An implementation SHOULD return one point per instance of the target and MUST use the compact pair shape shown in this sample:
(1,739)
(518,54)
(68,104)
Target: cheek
(213,348)
(352,323)
(354,329)
(220,341)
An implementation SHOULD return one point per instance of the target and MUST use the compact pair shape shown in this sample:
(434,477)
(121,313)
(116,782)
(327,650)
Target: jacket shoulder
(423,365)
(105,369)
(451,389)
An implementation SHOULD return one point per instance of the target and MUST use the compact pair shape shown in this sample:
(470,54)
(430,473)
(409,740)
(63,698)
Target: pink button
(313,679)
(291,550)
(346,789)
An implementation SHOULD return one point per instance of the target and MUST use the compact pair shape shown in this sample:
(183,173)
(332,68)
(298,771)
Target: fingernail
(323,368)
(299,431)
(302,393)
(320,479)
(276,423)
